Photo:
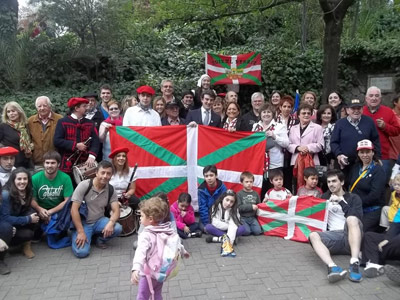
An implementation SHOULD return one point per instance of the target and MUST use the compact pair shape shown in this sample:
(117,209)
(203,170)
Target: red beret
(118,150)
(145,89)
(75,101)
(8,151)
(222,95)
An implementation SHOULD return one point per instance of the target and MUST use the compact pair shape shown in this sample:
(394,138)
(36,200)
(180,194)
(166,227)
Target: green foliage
(129,43)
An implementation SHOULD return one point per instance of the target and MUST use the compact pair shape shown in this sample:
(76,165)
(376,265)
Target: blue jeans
(251,225)
(387,165)
(95,228)
(193,228)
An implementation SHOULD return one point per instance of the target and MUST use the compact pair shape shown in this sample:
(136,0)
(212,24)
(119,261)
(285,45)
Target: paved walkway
(265,268)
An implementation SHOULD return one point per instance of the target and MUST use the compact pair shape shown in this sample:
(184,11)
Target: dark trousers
(193,227)
(371,220)
(6,234)
(370,251)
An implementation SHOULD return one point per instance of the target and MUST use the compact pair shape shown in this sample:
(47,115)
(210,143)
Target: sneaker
(336,273)
(209,239)
(101,245)
(195,234)
(354,272)
(373,270)
(393,273)
(4,269)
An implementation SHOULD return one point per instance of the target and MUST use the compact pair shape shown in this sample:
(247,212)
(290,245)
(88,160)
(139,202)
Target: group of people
(344,152)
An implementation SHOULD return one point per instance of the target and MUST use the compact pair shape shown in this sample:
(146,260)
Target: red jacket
(392,127)
(188,219)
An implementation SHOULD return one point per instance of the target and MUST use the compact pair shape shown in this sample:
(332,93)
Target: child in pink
(184,217)
(152,214)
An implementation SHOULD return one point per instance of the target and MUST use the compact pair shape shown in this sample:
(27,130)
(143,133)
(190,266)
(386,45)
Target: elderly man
(76,137)
(386,122)
(142,114)
(105,95)
(172,117)
(204,115)
(97,194)
(7,161)
(167,90)
(231,96)
(349,131)
(248,119)
(42,127)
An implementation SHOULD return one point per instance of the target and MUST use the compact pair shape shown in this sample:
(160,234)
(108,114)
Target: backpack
(83,209)
(163,263)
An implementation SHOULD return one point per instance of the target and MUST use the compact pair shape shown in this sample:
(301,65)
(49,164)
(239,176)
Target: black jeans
(370,251)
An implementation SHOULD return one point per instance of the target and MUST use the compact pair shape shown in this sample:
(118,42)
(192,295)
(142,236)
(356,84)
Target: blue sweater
(206,200)
(345,137)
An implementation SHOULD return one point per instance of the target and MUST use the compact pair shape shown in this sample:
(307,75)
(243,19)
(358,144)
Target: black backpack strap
(110,192)
(88,189)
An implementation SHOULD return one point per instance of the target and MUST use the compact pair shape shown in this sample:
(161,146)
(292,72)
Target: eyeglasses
(114,108)
(167,86)
(305,113)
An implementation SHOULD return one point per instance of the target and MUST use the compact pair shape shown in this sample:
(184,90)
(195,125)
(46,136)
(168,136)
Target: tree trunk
(334,13)
(9,20)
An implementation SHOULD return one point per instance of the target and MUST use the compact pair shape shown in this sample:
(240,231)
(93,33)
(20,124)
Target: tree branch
(236,13)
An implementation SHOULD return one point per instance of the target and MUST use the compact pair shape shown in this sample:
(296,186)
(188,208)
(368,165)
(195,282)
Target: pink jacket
(181,222)
(312,137)
(147,241)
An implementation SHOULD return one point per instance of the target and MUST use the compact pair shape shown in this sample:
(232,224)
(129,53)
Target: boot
(27,250)
(4,269)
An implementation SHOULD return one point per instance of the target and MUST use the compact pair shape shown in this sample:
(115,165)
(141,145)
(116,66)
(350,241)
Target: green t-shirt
(50,193)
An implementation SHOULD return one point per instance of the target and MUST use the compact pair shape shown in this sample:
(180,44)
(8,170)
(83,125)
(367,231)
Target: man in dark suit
(204,115)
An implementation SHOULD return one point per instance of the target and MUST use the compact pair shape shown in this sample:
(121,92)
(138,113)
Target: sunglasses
(114,108)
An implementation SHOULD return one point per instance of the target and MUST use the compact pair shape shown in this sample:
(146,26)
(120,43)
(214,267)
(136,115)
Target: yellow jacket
(394,206)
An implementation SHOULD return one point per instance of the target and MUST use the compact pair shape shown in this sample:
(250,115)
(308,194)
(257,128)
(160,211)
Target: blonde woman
(14,133)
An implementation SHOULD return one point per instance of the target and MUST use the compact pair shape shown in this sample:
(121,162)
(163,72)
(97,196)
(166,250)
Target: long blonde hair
(18,108)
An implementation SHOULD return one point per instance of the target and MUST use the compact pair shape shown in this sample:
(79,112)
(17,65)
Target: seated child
(208,192)
(184,216)
(278,192)
(153,212)
(311,181)
(388,212)
(248,200)
(225,222)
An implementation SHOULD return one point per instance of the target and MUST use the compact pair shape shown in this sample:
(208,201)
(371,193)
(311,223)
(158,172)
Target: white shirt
(136,116)
(120,183)
(336,219)
(5,176)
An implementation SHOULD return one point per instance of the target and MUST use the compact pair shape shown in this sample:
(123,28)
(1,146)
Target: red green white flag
(171,158)
(293,218)
(234,69)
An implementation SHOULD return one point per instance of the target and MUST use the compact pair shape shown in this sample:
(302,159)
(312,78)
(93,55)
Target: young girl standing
(225,222)
(152,213)
(184,216)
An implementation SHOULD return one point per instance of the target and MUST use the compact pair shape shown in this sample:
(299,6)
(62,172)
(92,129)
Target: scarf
(145,108)
(231,124)
(25,143)
(117,122)
(259,127)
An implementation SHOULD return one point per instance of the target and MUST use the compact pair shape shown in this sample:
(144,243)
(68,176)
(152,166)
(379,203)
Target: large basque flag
(171,158)
(293,218)
(234,69)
